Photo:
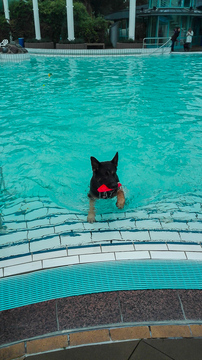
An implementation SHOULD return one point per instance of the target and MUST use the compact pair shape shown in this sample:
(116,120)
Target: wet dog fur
(104,173)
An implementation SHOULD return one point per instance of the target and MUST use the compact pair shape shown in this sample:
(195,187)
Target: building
(159,19)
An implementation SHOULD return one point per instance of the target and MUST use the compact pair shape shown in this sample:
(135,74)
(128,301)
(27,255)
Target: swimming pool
(57,112)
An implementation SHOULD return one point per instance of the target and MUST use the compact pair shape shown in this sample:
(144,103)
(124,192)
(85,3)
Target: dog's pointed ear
(115,160)
(94,163)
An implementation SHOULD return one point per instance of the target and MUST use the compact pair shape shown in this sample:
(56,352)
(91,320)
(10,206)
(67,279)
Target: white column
(132,14)
(36,19)
(6,10)
(70,20)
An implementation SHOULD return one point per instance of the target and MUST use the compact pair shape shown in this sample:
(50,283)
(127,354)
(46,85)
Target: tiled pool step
(36,224)
(99,253)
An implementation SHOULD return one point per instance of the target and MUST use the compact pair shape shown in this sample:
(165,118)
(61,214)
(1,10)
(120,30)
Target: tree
(19,11)
(105,7)
(4,28)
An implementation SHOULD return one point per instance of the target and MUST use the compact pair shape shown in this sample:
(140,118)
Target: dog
(104,184)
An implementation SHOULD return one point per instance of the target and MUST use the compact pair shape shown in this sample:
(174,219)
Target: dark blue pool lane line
(91,278)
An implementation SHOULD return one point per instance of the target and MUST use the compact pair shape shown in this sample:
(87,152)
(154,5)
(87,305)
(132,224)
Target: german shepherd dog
(104,184)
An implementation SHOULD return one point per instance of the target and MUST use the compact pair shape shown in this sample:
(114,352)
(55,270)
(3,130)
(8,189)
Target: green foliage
(87,27)
(105,7)
(22,22)
(52,16)
(4,28)
(53,21)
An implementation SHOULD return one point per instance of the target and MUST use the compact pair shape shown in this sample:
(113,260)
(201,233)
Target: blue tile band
(91,278)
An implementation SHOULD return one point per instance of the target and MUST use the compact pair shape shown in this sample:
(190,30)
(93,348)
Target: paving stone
(89,337)
(196,330)
(47,344)
(12,352)
(170,331)
(126,333)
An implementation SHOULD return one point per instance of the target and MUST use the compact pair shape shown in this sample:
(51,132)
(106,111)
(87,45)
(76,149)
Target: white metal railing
(155,42)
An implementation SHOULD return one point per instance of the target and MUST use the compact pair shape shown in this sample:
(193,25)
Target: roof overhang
(170,11)
(143,11)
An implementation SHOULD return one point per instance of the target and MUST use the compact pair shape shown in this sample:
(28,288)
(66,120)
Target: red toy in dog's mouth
(104,188)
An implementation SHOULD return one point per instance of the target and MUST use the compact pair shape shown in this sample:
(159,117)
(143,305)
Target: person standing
(174,37)
(189,36)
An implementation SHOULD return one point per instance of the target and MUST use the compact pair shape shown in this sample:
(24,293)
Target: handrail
(154,38)
(160,46)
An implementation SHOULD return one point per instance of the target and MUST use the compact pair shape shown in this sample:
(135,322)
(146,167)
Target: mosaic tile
(97,257)
(12,210)
(117,248)
(76,238)
(162,215)
(14,217)
(191,237)
(194,256)
(96,226)
(13,237)
(22,268)
(56,210)
(148,224)
(84,250)
(195,226)
(43,244)
(31,205)
(49,255)
(36,214)
(184,216)
(104,236)
(184,247)
(37,233)
(122,224)
(149,246)
(58,219)
(174,225)
(16,261)
(169,255)
(141,214)
(135,235)
(15,225)
(18,249)
(132,255)
(113,216)
(69,227)
(63,261)
(83,218)
(164,236)
(37,223)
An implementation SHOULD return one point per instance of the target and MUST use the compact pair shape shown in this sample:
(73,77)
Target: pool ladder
(156,43)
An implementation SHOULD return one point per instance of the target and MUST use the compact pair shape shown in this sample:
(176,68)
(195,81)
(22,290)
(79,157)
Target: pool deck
(37,235)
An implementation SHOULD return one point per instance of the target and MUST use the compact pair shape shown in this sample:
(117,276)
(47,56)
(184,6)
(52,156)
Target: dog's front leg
(91,213)
(120,199)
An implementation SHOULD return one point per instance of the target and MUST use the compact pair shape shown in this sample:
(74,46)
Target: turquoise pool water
(146,108)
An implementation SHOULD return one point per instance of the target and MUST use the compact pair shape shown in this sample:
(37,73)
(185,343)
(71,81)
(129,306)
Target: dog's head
(104,173)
